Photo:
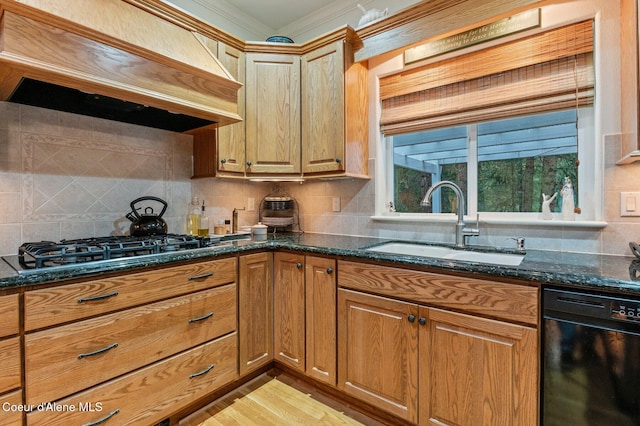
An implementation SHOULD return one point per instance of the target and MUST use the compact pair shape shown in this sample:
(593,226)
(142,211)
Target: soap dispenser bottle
(203,228)
(193,217)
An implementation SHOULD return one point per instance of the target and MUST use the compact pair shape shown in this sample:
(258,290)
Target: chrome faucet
(461,228)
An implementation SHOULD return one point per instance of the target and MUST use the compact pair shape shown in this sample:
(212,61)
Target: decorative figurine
(546,203)
(371,15)
(568,203)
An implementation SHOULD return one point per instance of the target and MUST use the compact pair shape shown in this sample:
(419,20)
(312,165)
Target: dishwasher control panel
(626,310)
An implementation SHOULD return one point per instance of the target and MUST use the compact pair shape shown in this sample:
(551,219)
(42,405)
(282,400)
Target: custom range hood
(114,60)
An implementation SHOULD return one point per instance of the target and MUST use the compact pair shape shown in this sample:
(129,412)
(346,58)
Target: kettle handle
(134,202)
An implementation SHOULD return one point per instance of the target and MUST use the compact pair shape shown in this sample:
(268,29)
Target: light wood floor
(275,401)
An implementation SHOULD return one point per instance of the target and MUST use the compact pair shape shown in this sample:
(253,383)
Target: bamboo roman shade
(547,71)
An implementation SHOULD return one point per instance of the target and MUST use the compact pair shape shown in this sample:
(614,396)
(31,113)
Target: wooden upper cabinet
(334,112)
(272,113)
(629,82)
(231,147)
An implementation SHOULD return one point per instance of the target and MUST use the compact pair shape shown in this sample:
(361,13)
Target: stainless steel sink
(439,252)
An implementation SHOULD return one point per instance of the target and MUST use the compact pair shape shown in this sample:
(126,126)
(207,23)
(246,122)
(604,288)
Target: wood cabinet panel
(479,371)
(323,109)
(335,111)
(378,352)
(231,138)
(10,314)
(255,305)
(273,113)
(289,310)
(321,299)
(85,353)
(10,365)
(8,417)
(58,305)
(149,395)
(511,302)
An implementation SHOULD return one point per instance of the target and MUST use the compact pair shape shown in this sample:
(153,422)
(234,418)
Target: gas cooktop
(46,254)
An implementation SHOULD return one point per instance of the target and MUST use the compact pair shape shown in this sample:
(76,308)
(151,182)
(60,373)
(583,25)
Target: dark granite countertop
(584,271)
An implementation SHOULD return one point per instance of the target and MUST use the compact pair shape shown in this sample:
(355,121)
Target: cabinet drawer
(511,302)
(9,312)
(10,362)
(79,355)
(62,304)
(151,394)
(9,417)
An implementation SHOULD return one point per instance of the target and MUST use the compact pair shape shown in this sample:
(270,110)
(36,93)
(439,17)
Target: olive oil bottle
(203,227)
(193,217)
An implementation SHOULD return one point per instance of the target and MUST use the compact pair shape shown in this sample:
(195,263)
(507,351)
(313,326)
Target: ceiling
(301,20)
(278,13)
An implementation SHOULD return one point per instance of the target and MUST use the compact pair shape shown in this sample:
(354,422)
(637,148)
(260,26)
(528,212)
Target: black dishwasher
(591,359)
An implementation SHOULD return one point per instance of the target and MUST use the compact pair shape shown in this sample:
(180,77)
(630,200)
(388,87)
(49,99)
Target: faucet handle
(519,243)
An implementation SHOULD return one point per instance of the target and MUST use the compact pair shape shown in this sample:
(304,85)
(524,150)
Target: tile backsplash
(69,176)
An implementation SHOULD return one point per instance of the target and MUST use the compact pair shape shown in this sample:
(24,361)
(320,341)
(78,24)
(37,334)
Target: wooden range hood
(112,51)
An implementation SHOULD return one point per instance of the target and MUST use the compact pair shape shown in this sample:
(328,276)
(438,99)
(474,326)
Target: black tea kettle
(147,223)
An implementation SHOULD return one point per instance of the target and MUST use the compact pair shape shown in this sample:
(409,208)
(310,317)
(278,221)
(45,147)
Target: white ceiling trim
(236,16)
(330,13)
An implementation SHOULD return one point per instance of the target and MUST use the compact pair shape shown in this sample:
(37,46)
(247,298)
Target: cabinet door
(273,113)
(255,306)
(289,315)
(323,112)
(231,138)
(480,371)
(378,352)
(321,318)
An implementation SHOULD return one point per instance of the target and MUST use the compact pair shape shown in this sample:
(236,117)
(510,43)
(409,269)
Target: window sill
(452,218)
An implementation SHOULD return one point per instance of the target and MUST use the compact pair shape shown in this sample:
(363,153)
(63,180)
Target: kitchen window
(502,166)
(506,123)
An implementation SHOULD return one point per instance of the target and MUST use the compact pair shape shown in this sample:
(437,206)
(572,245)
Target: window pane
(520,159)
(425,157)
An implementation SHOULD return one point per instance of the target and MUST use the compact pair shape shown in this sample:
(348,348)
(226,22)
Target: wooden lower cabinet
(150,394)
(320,316)
(305,314)
(10,362)
(289,314)
(255,307)
(84,353)
(435,367)
(478,371)
(378,352)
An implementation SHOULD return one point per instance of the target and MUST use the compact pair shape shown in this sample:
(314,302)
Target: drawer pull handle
(94,298)
(202,318)
(98,352)
(203,372)
(201,276)
(104,419)
(299,265)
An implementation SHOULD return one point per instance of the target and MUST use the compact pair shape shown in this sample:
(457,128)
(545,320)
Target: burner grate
(48,253)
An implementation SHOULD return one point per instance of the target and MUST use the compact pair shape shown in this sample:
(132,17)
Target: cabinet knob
(411,318)
(299,265)
(249,163)
(223,161)
(422,321)
(329,271)
(338,160)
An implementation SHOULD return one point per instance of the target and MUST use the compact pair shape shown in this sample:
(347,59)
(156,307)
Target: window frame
(590,176)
